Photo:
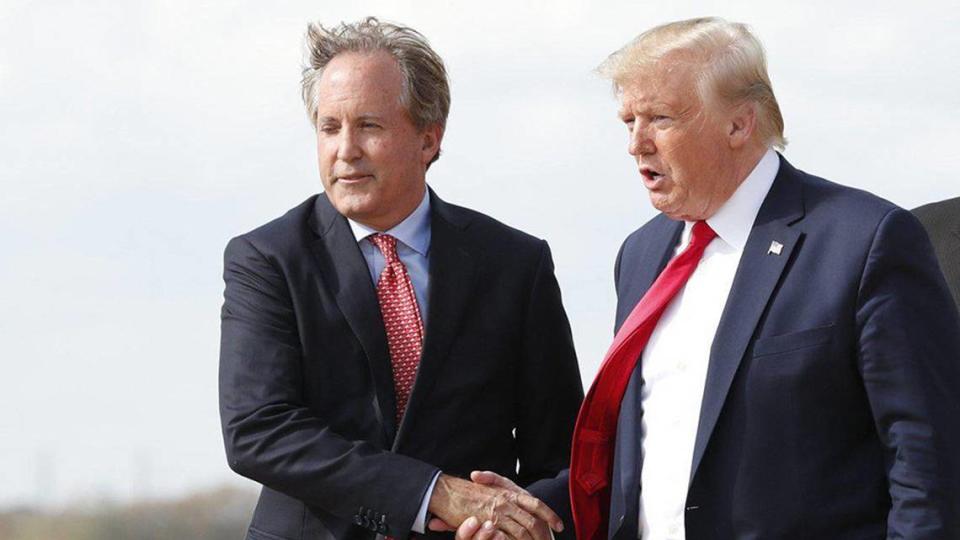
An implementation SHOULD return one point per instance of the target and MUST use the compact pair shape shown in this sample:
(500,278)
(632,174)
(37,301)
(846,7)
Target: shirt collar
(413,231)
(734,220)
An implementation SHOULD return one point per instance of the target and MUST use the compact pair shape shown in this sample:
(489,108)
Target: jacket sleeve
(273,437)
(909,358)
(551,391)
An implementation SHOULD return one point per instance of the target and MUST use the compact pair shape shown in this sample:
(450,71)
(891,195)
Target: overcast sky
(137,137)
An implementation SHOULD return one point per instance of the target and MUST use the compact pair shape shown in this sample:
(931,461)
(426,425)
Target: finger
(514,529)
(511,509)
(489,532)
(439,525)
(540,510)
(468,528)
(489,478)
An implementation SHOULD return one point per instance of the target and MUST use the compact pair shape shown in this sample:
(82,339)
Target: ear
(431,137)
(741,124)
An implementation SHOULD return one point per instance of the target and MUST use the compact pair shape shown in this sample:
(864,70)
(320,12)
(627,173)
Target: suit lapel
(452,275)
(625,488)
(627,461)
(664,235)
(345,272)
(757,275)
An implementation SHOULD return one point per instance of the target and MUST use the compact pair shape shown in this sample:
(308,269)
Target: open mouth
(651,174)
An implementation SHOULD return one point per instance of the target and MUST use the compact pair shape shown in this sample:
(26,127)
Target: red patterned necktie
(401,319)
(595,433)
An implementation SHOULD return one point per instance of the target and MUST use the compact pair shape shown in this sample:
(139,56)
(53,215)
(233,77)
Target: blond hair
(731,63)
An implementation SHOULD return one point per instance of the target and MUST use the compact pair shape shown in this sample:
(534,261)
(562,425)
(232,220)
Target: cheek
(326,151)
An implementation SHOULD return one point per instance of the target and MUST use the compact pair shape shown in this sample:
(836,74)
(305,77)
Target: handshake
(490,507)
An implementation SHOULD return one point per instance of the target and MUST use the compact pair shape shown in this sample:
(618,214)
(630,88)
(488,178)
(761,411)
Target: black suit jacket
(306,393)
(830,408)
(942,221)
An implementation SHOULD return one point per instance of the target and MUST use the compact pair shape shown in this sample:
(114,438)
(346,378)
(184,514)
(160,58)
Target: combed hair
(426,91)
(730,60)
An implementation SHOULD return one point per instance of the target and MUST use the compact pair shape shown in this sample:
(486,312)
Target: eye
(329,129)
(660,118)
(628,122)
(370,125)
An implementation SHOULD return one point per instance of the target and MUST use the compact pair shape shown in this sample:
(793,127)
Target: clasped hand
(490,507)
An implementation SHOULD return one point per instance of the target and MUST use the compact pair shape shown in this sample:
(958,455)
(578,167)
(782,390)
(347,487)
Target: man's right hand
(513,511)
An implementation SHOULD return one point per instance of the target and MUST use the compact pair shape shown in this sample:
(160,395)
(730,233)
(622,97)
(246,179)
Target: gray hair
(426,92)
(731,66)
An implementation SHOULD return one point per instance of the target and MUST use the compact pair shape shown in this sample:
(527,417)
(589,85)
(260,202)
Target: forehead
(667,83)
(360,77)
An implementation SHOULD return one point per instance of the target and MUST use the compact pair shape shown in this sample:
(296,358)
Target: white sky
(137,137)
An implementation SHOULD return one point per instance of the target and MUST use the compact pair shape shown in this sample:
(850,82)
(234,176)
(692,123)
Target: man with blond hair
(786,361)
(377,342)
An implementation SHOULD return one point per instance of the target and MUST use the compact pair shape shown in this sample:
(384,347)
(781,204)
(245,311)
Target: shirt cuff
(420,524)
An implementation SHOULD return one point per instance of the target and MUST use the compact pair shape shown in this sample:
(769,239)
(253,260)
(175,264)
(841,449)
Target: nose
(348,147)
(641,141)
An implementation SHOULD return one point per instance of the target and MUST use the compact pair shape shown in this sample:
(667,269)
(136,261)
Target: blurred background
(137,137)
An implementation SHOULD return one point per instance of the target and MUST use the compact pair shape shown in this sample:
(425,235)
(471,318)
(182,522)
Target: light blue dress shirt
(413,248)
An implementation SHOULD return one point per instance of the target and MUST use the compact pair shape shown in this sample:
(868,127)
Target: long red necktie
(591,459)
(401,320)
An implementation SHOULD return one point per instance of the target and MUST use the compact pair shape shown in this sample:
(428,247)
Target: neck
(745,163)
(385,223)
(738,168)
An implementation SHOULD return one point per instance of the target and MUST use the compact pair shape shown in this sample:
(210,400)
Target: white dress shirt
(413,248)
(675,360)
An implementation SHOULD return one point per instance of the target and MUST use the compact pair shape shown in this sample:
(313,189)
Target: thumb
(489,478)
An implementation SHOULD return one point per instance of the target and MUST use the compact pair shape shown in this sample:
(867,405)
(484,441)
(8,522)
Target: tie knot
(387,245)
(701,233)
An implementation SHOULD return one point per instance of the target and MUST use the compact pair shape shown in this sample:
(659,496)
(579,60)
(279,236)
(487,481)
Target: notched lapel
(627,462)
(452,276)
(654,257)
(659,249)
(346,274)
(758,273)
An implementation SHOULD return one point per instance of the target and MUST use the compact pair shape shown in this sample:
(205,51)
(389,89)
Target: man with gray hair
(377,342)
(786,361)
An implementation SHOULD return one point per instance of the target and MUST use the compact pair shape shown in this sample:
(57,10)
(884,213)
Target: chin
(355,208)
(662,204)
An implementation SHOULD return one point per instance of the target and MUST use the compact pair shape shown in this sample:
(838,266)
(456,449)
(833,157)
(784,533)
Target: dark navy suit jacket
(306,391)
(832,400)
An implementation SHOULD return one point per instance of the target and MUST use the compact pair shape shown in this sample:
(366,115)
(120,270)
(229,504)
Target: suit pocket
(793,341)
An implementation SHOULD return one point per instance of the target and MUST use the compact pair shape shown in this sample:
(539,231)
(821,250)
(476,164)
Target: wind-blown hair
(730,62)
(426,91)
